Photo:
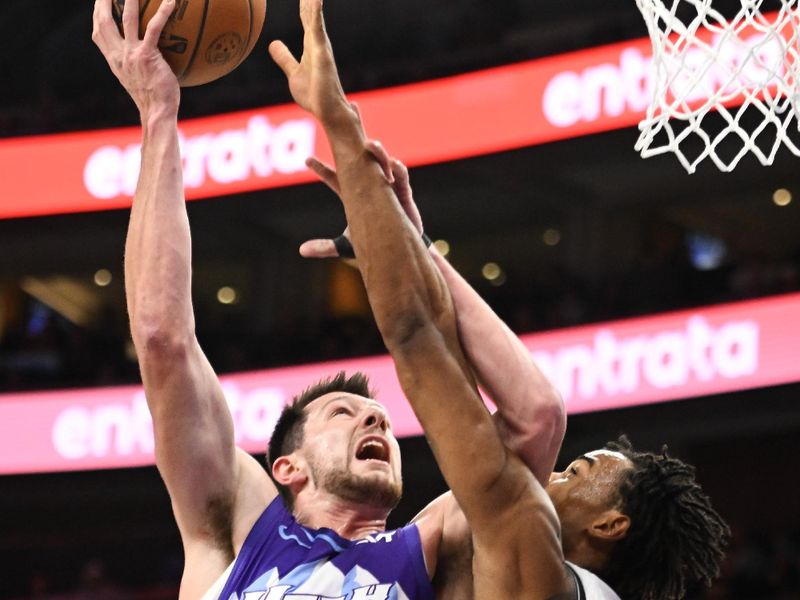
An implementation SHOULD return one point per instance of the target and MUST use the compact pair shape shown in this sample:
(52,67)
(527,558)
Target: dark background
(626,228)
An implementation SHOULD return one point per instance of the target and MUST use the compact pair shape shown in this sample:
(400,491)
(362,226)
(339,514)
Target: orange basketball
(204,39)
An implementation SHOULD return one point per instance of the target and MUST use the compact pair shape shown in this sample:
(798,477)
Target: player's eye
(573,470)
(340,410)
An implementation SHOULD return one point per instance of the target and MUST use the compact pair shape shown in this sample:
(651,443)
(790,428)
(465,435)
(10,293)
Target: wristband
(345,249)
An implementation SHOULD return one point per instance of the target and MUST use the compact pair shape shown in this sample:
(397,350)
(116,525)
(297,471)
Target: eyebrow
(588,459)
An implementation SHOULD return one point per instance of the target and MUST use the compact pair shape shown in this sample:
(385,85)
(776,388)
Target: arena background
(584,230)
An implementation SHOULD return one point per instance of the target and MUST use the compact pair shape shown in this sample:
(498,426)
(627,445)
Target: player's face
(585,490)
(351,451)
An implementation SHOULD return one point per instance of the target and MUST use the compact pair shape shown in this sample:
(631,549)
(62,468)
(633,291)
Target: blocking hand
(313,81)
(397,175)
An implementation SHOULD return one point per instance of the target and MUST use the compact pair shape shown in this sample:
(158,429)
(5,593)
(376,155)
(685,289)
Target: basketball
(204,40)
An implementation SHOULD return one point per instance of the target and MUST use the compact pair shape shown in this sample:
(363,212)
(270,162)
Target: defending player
(609,502)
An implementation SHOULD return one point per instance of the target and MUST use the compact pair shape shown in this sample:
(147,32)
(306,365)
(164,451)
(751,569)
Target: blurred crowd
(41,349)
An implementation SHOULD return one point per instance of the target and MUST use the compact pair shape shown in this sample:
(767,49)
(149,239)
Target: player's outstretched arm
(414,312)
(531,416)
(195,450)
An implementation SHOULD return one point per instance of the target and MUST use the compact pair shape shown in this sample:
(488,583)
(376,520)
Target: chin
(375,490)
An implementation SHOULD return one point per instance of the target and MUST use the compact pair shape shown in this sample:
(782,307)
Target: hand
(397,175)
(313,82)
(138,64)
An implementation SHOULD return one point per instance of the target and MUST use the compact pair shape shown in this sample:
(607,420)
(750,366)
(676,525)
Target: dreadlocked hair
(288,433)
(676,539)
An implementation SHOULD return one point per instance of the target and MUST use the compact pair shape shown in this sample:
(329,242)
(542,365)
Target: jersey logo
(290,537)
(379,591)
(384,536)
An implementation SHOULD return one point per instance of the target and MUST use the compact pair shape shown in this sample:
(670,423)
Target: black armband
(345,248)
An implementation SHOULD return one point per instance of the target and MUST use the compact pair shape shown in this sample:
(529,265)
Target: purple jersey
(282,560)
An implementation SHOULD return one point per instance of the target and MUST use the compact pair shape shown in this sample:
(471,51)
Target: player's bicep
(194,440)
(439,385)
(519,543)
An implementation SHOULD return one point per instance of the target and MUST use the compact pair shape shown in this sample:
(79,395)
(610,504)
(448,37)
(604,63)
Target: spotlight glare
(227,295)
(782,197)
(551,237)
(491,271)
(442,246)
(102,277)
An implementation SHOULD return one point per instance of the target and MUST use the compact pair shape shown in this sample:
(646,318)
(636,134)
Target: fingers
(101,22)
(402,187)
(320,248)
(377,150)
(324,172)
(312,19)
(283,58)
(157,23)
(400,172)
(130,20)
(357,110)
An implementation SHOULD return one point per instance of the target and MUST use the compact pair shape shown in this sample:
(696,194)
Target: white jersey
(594,588)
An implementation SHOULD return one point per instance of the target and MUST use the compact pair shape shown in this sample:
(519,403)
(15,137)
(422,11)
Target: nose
(375,418)
(553,476)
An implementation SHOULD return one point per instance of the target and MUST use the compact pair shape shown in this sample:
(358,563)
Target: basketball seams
(198,42)
(246,46)
(142,9)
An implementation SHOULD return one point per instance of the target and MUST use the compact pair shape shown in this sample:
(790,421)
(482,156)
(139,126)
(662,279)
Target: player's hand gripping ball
(203,39)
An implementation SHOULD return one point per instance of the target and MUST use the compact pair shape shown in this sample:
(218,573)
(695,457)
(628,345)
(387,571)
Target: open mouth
(373,449)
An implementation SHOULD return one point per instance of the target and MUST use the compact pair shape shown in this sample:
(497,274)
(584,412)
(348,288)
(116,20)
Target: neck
(589,554)
(316,509)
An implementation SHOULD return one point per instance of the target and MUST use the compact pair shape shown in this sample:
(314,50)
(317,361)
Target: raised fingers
(103,23)
(377,150)
(324,172)
(283,57)
(130,19)
(318,249)
(156,25)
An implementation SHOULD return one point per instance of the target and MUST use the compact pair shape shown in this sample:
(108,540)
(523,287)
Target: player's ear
(610,526)
(289,471)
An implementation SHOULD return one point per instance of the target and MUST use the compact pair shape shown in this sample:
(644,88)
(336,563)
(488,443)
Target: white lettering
(608,89)
(666,359)
(121,429)
(103,172)
(259,149)
(561,101)
(71,433)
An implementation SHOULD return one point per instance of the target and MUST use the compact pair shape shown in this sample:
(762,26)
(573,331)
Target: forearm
(401,299)
(531,416)
(158,246)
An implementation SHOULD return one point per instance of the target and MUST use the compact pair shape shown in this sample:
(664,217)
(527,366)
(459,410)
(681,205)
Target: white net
(723,86)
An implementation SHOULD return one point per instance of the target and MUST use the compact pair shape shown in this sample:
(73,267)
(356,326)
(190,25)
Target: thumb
(283,57)
(320,248)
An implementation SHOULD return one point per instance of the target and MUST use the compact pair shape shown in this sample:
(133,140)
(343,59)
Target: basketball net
(723,85)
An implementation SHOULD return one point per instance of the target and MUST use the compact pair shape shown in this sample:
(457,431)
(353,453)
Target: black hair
(676,539)
(288,433)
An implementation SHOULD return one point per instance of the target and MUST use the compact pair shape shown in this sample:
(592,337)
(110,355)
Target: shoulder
(254,492)
(443,530)
(592,587)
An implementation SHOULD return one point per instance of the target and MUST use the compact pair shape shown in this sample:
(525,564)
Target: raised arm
(415,315)
(531,417)
(194,443)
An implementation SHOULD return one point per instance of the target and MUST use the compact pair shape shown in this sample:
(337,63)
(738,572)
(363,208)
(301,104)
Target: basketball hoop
(723,86)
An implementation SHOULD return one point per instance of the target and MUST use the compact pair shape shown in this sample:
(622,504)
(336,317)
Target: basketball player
(638,519)
(333,454)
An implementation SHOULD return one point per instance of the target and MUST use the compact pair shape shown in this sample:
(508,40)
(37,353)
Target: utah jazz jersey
(282,560)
